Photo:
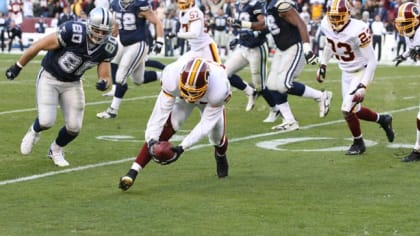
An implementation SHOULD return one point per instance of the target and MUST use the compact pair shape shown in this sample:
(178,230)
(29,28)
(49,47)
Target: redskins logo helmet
(185,4)
(338,14)
(407,19)
(193,81)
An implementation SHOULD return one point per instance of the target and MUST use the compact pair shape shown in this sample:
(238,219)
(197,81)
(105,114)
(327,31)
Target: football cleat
(108,114)
(251,100)
(29,140)
(272,116)
(413,156)
(222,166)
(324,103)
(357,148)
(386,123)
(57,156)
(127,180)
(286,126)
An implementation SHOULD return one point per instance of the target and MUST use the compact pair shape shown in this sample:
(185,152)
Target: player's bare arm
(152,18)
(49,42)
(293,18)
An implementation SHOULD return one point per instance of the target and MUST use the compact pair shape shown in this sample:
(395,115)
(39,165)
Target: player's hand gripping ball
(163,153)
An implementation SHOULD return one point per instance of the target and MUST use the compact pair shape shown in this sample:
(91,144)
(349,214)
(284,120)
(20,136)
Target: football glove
(170,35)
(310,57)
(236,24)
(101,85)
(359,93)
(157,47)
(13,71)
(178,150)
(399,59)
(233,43)
(150,147)
(320,73)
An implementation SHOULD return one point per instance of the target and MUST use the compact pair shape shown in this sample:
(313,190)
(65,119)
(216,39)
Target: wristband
(307,47)
(246,24)
(19,65)
(159,39)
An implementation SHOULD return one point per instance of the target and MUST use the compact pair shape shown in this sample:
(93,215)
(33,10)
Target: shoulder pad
(253,2)
(284,5)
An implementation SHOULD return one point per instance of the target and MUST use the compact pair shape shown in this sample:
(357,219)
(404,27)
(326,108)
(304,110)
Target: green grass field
(295,183)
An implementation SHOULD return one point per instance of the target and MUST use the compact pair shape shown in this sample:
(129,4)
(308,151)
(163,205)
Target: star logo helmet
(338,14)
(407,19)
(185,4)
(99,25)
(193,81)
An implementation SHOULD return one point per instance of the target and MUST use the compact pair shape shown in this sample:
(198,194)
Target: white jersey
(412,42)
(347,45)
(211,105)
(192,28)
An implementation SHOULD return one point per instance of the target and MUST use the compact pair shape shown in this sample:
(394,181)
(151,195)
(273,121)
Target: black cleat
(222,166)
(413,156)
(127,180)
(357,148)
(386,123)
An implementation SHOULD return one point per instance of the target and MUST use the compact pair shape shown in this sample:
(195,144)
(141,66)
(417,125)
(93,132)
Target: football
(163,151)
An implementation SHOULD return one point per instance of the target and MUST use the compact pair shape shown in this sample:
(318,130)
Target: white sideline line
(80,168)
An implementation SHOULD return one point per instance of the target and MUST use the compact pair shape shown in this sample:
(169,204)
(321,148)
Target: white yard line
(80,168)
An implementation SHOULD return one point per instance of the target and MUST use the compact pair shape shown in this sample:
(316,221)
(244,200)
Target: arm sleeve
(160,114)
(208,121)
(194,30)
(368,53)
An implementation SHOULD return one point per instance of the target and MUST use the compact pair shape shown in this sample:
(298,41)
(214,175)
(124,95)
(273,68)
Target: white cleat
(251,101)
(324,103)
(108,114)
(272,116)
(58,157)
(287,126)
(29,140)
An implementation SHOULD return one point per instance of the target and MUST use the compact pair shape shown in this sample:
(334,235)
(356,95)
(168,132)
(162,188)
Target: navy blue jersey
(132,29)
(220,23)
(73,57)
(284,33)
(250,12)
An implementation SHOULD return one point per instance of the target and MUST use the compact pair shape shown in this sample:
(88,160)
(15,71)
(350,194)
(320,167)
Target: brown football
(163,151)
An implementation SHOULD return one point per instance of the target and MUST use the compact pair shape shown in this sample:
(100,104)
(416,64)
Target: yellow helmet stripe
(194,72)
(334,5)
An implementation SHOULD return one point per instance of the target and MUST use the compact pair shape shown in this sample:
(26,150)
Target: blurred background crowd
(32,18)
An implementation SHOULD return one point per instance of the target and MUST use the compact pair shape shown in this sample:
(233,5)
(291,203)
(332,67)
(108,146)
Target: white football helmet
(407,19)
(338,14)
(99,25)
(193,81)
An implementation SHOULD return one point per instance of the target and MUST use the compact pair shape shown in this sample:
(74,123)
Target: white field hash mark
(80,168)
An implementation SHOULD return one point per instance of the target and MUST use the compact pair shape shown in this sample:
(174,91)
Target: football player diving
(196,83)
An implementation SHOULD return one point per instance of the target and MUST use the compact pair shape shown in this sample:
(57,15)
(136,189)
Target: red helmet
(407,19)
(193,81)
(338,14)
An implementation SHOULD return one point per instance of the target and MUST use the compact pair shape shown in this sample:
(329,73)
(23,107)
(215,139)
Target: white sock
(135,166)
(312,93)
(286,112)
(116,102)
